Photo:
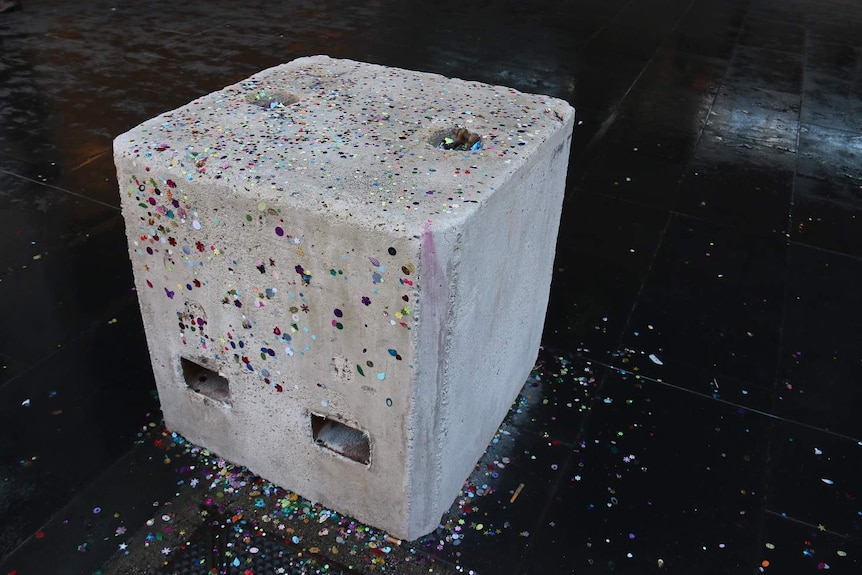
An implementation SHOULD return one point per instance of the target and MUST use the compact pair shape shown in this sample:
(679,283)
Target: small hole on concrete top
(205,381)
(457,138)
(344,440)
(272,100)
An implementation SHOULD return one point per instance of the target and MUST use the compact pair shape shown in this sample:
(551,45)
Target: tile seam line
(30,367)
(786,517)
(609,121)
(59,189)
(720,224)
(788,257)
(730,227)
(731,403)
(643,280)
(761,49)
(129,454)
(573,449)
(528,550)
(721,84)
(826,250)
(772,435)
(766,472)
(806,46)
(607,23)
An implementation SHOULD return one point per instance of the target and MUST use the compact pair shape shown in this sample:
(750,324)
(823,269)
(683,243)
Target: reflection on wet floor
(694,406)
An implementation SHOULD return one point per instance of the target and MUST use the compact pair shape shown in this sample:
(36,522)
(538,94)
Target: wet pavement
(695,406)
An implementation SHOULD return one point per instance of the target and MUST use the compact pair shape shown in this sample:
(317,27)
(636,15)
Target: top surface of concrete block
(353,141)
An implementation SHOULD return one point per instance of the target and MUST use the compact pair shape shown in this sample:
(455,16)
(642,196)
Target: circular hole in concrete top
(455,138)
(272,99)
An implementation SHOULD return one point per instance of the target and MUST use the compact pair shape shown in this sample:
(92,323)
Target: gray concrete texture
(330,297)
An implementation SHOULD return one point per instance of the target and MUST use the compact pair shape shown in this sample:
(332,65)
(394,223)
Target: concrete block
(330,297)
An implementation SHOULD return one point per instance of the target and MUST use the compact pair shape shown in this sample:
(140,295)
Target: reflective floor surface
(695,405)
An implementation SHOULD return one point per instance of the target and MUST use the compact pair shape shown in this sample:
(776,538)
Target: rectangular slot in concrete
(342,439)
(205,381)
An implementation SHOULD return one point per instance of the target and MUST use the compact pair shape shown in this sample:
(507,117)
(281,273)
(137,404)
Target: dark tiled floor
(696,405)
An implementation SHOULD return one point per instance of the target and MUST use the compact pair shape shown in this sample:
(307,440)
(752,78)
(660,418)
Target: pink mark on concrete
(433,275)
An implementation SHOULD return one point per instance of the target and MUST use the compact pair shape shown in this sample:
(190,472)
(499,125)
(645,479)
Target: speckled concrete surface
(696,407)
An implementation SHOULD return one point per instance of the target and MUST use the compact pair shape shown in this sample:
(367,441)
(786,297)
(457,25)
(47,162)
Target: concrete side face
(303,317)
(498,272)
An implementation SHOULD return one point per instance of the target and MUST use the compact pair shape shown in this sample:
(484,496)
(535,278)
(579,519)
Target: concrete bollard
(343,271)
